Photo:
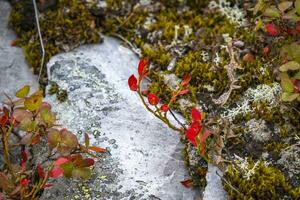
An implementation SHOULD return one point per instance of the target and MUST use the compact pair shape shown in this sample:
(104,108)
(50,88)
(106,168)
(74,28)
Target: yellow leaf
(33,102)
(23,92)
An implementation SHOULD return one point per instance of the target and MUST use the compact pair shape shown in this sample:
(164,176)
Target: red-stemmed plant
(196,132)
(31,121)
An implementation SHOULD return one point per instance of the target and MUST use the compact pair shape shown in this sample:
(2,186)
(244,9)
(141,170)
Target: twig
(229,184)
(133,48)
(179,122)
(40,37)
(230,68)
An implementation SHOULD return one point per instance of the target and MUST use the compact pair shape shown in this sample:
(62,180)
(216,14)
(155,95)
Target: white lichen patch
(247,169)
(171,80)
(258,130)
(184,104)
(205,56)
(262,93)
(234,14)
(290,159)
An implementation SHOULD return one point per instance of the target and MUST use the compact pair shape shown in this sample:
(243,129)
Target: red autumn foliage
(184,92)
(40,171)
(272,29)
(153,99)
(56,172)
(186,80)
(24,182)
(196,115)
(36,121)
(141,67)
(132,82)
(164,108)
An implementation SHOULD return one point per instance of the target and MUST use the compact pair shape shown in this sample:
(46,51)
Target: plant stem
(165,120)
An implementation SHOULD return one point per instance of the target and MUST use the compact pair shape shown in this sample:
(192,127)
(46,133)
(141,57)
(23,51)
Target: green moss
(54,88)
(70,25)
(62,95)
(265,183)
(201,73)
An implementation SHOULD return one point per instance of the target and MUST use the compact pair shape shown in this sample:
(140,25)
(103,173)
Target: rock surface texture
(145,159)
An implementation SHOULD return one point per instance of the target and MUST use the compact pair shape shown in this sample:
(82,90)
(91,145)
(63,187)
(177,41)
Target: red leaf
(196,115)
(141,68)
(191,135)
(202,150)
(297,28)
(184,92)
(153,99)
(35,139)
(60,161)
(87,162)
(272,29)
(13,43)
(187,183)
(24,156)
(186,80)
(4,120)
(24,182)
(97,149)
(164,108)
(56,172)
(196,126)
(203,137)
(40,170)
(132,82)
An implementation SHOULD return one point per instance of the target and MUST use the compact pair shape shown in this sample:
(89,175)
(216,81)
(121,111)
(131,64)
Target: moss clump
(265,182)
(201,73)
(61,95)
(63,29)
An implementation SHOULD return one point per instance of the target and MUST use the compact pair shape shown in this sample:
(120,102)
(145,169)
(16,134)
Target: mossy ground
(63,28)
(193,36)
(153,31)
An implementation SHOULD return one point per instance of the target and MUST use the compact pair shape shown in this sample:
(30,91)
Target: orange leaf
(187,183)
(97,149)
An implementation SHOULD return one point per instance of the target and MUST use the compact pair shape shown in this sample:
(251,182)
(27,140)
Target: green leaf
(33,102)
(23,92)
(291,52)
(53,137)
(86,140)
(286,83)
(272,12)
(260,6)
(68,169)
(283,6)
(297,76)
(286,96)
(47,115)
(84,173)
(292,65)
(297,6)
(68,142)
(28,125)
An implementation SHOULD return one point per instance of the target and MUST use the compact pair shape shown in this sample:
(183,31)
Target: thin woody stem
(165,120)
